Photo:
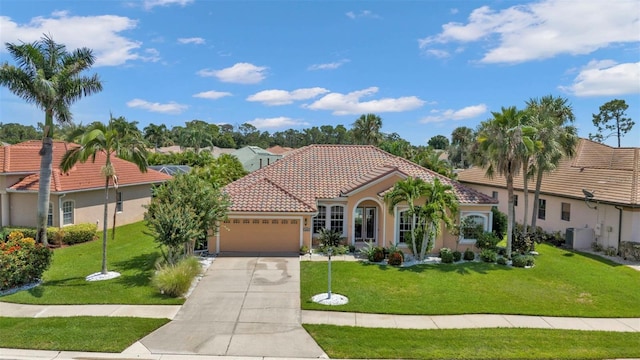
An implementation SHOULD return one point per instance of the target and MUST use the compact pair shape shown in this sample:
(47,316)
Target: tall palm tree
(461,139)
(366,130)
(407,191)
(501,141)
(552,116)
(441,206)
(526,158)
(49,76)
(106,140)
(157,135)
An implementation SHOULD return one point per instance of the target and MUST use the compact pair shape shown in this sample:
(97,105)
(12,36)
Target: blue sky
(425,67)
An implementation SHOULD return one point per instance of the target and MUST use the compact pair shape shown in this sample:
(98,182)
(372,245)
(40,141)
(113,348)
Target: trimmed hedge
(69,235)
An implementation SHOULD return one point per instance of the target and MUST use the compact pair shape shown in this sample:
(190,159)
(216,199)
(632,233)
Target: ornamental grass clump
(22,261)
(175,280)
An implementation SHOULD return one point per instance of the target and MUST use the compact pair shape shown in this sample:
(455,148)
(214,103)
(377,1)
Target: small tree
(613,110)
(439,142)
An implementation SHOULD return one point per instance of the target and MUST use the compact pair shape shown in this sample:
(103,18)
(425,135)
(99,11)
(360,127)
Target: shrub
(372,252)
(175,279)
(28,232)
(446,256)
(75,234)
(396,257)
(488,255)
(22,261)
(487,240)
(630,249)
(502,261)
(457,255)
(469,255)
(523,260)
(352,249)
(596,247)
(499,224)
(304,249)
(610,251)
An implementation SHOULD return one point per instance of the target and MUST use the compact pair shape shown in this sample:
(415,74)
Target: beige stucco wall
(603,220)
(88,206)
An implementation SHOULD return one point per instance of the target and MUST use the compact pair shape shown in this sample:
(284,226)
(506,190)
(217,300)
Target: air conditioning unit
(579,238)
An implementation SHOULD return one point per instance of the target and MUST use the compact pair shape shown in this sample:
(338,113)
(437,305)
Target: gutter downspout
(619,227)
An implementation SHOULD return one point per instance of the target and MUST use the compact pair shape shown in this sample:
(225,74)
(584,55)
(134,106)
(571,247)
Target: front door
(365,224)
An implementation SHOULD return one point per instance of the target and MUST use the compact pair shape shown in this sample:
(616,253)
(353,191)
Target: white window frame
(50,216)
(65,211)
(328,218)
(485,218)
(399,211)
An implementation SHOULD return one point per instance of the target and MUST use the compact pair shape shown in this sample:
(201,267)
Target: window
(320,221)
(236,221)
(337,218)
(119,201)
(50,215)
(274,222)
(329,217)
(404,227)
(494,195)
(285,222)
(265,222)
(473,225)
(515,200)
(256,221)
(245,221)
(542,209)
(566,212)
(67,212)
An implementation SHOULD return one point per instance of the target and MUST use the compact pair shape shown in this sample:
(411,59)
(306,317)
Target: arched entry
(367,221)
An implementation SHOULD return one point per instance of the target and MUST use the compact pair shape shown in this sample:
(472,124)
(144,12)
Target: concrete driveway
(243,306)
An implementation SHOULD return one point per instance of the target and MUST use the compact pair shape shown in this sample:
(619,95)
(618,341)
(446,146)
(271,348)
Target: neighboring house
(171,169)
(76,196)
(282,206)
(280,150)
(253,158)
(608,210)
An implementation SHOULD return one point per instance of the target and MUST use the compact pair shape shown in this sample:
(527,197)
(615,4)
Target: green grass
(355,342)
(83,333)
(562,283)
(133,254)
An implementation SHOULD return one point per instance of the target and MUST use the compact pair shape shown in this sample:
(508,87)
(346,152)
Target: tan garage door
(260,235)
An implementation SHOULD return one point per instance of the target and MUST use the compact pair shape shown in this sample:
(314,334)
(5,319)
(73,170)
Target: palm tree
(501,141)
(157,135)
(48,76)
(461,140)
(441,206)
(107,141)
(407,191)
(552,117)
(366,129)
(526,158)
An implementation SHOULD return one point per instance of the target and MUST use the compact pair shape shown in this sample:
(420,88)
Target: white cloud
(440,54)
(362,14)
(99,33)
(468,112)
(283,97)
(276,122)
(328,66)
(212,94)
(240,73)
(606,78)
(544,29)
(150,4)
(348,104)
(168,108)
(192,40)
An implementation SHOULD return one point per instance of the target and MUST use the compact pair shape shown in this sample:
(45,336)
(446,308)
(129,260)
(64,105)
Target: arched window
(473,225)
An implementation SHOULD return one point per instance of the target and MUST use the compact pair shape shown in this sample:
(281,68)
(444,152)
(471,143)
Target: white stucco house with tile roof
(281,207)
(76,196)
(611,175)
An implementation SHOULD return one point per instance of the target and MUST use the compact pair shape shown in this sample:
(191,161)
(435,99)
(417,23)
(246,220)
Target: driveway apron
(242,306)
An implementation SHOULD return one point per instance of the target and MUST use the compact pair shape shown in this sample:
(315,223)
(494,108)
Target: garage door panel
(262,235)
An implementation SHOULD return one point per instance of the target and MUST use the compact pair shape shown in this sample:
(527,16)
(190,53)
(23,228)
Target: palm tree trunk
(536,197)
(105,227)
(413,234)
(44,190)
(510,215)
(525,195)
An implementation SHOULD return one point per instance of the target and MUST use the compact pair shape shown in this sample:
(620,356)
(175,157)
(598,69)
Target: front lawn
(132,253)
(355,342)
(563,283)
(83,333)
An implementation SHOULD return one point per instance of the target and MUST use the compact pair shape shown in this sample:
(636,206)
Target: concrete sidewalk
(40,311)
(471,321)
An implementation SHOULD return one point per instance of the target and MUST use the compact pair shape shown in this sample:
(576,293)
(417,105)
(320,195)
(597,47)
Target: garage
(260,235)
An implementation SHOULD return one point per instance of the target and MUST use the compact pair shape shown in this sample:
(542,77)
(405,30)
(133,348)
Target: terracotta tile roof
(24,158)
(280,150)
(295,183)
(613,174)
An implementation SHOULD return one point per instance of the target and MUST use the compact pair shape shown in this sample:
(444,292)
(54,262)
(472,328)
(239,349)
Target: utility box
(579,238)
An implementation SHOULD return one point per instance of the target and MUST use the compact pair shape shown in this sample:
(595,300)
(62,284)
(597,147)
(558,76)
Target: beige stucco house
(77,196)
(282,206)
(607,211)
